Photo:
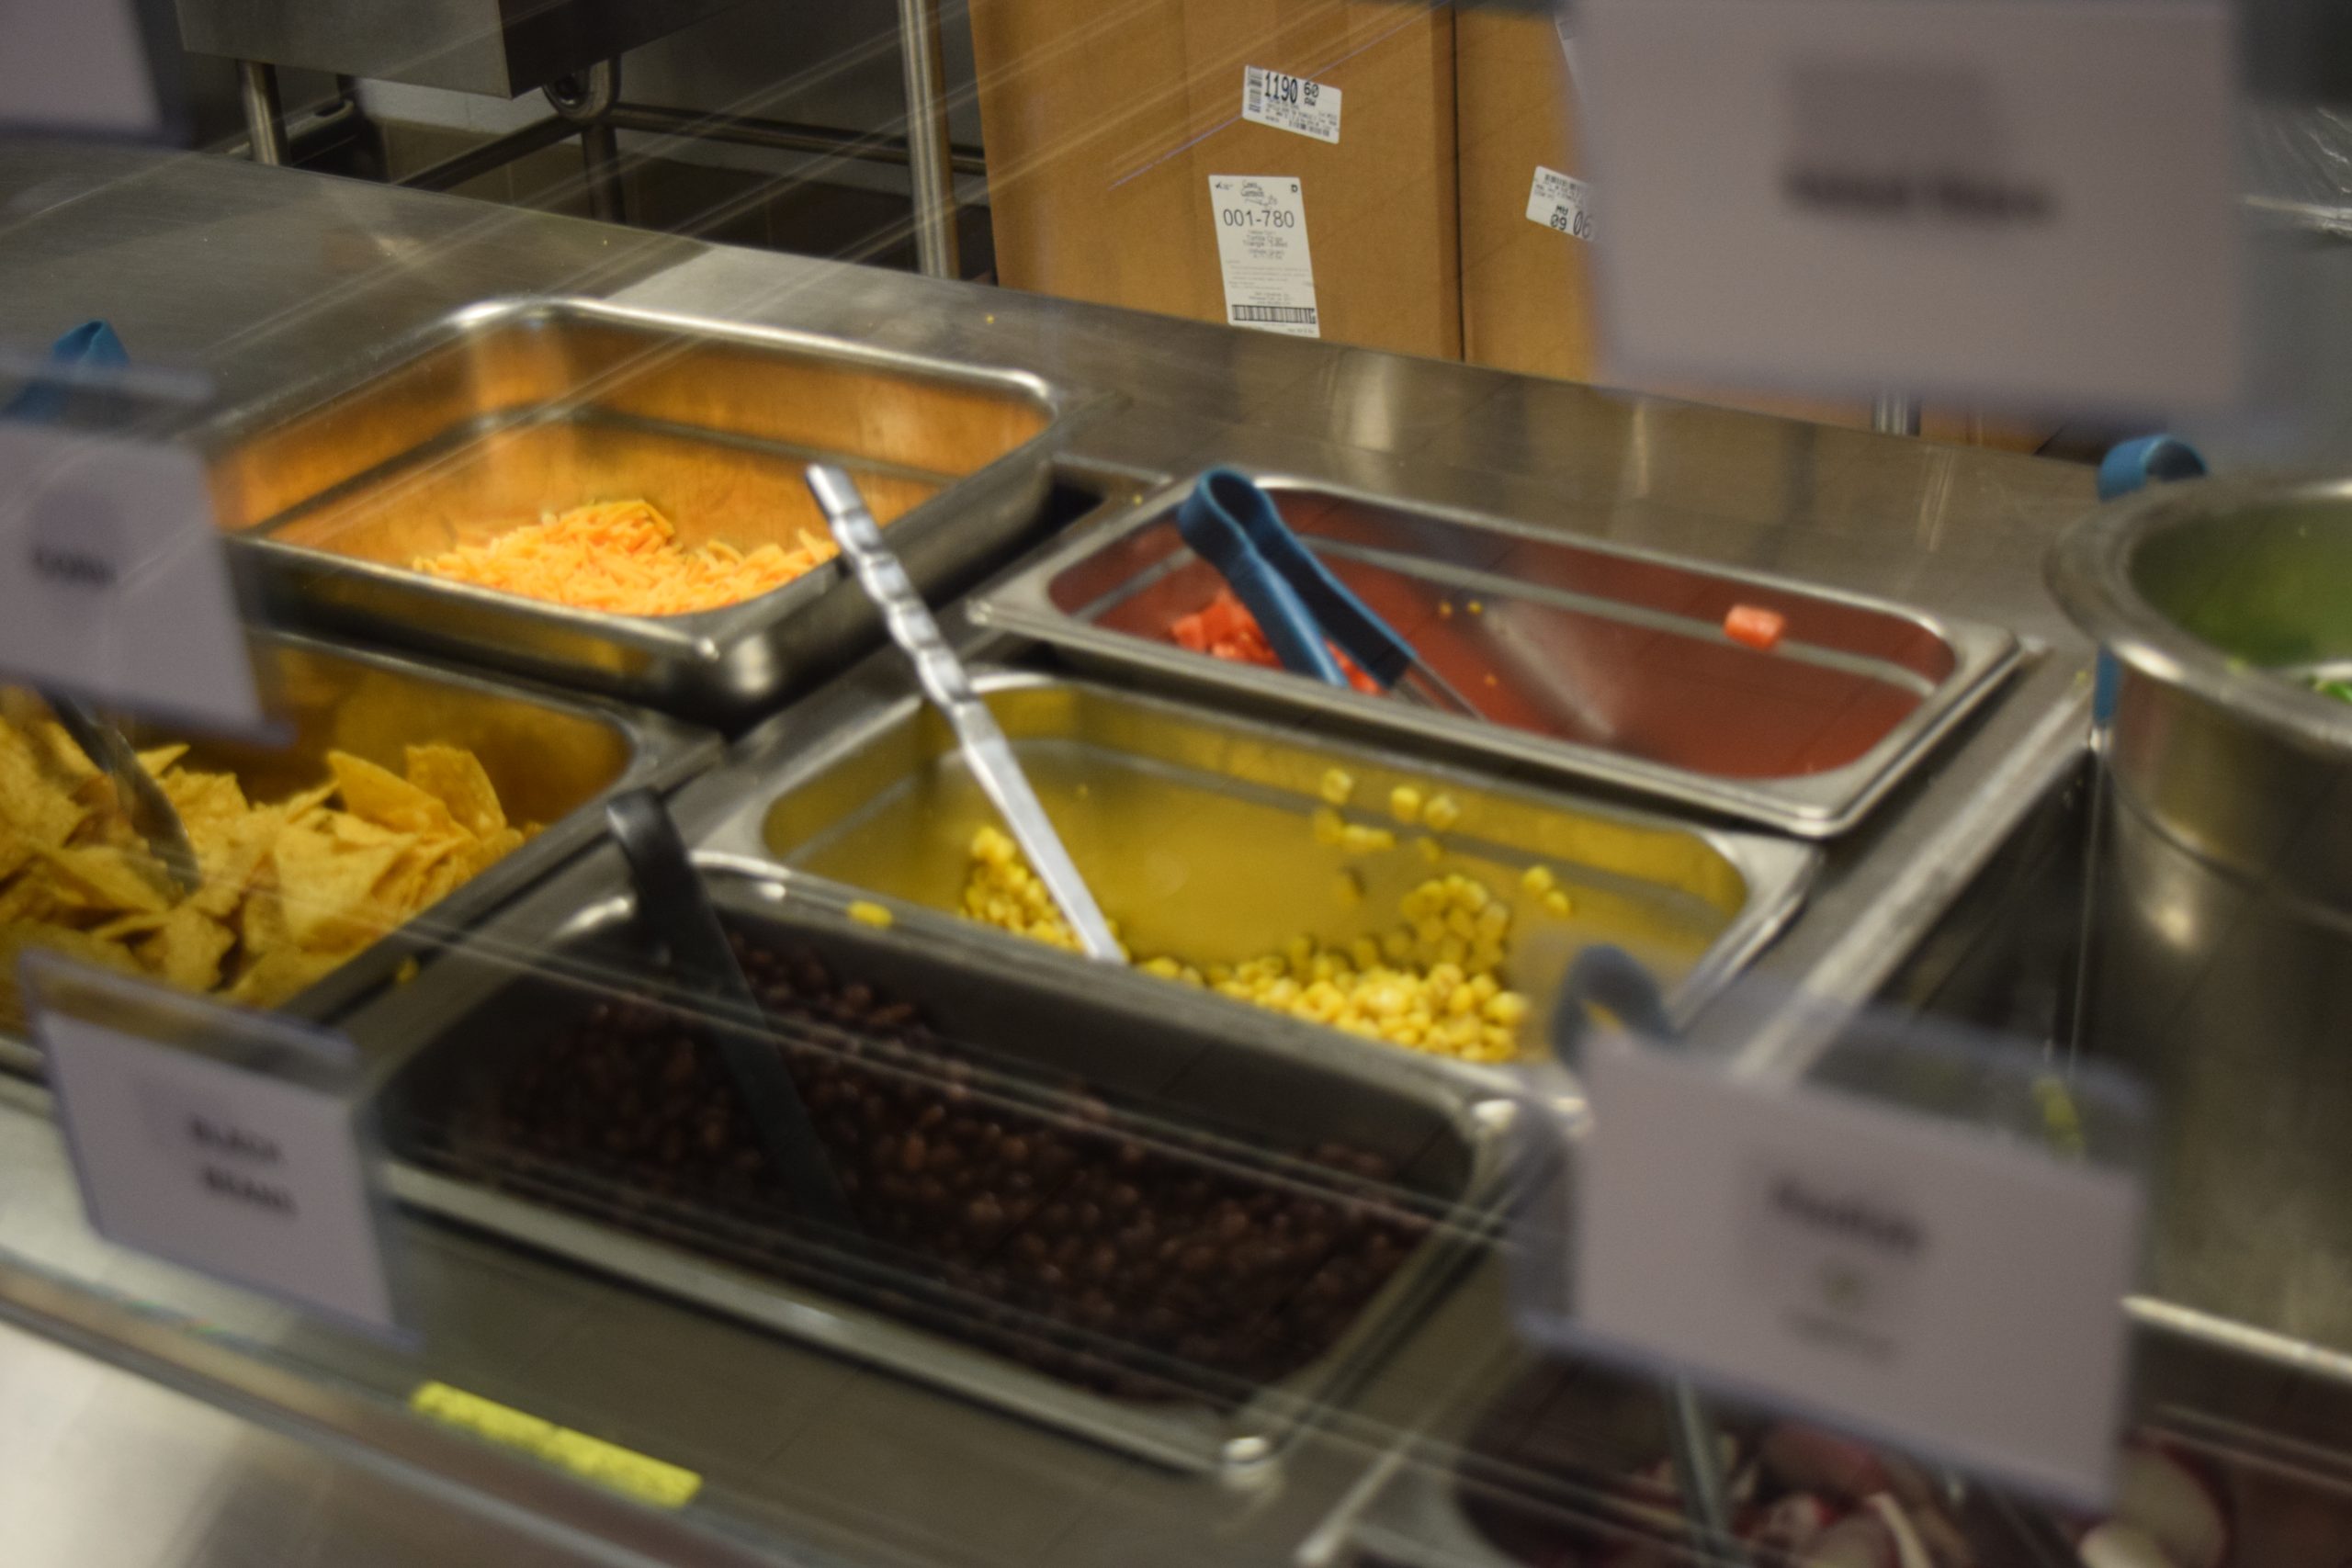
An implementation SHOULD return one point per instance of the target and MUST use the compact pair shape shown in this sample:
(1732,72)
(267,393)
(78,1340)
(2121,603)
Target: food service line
(1956,533)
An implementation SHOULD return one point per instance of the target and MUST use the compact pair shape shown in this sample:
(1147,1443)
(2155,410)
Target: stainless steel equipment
(804,1455)
(1590,659)
(499,413)
(1169,1066)
(930,169)
(2221,936)
(1192,828)
(502,47)
(553,760)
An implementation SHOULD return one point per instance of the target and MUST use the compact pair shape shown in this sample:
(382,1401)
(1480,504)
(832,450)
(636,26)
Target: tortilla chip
(325,879)
(188,949)
(310,802)
(206,801)
(281,973)
(16,938)
(60,758)
(32,802)
(458,777)
(381,796)
(234,859)
(261,923)
(122,928)
(109,877)
(480,857)
(290,889)
(403,889)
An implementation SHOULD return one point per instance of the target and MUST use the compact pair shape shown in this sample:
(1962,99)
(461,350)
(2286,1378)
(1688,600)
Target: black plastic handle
(670,899)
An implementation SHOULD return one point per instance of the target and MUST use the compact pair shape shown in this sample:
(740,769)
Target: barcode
(1254,96)
(1301,313)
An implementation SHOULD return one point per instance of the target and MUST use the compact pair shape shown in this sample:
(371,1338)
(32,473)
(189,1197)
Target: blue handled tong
(1232,524)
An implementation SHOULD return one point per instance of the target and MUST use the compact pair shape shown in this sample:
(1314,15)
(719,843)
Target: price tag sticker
(1263,251)
(2033,202)
(113,581)
(1562,202)
(1948,1288)
(227,1141)
(1288,103)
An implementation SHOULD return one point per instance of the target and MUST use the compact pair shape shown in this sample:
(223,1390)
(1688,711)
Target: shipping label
(1262,250)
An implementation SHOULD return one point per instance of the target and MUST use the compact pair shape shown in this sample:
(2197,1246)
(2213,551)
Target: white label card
(1288,103)
(1262,250)
(113,584)
(2027,201)
(1562,202)
(240,1174)
(1928,1284)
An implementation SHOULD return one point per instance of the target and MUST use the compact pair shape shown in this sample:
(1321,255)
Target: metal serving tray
(1609,663)
(1192,828)
(2272,1442)
(554,759)
(1587,1432)
(502,413)
(1176,1061)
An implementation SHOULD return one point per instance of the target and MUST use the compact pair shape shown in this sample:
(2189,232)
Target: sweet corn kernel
(1349,888)
(1358,840)
(1441,812)
(1430,850)
(1478,607)
(1536,879)
(866,913)
(1557,902)
(1438,994)
(1405,803)
(1338,786)
(1328,826)
(1506,1009)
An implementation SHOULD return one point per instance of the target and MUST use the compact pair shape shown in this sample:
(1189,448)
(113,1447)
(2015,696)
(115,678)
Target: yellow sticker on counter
(592,1458)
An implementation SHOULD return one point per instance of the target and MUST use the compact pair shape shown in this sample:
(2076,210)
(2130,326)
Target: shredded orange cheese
(624,556)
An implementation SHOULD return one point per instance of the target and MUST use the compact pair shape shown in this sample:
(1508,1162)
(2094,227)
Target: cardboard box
(1104,125)
(1527,290)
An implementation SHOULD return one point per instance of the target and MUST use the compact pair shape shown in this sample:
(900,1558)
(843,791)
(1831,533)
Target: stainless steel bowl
(2221,961)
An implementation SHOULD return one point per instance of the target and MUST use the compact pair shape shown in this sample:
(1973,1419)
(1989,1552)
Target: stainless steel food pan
(1586,659)
(2268,1442)
(502,413)
(2221,934)
(1192,827)
(1166,1066)
(555,761)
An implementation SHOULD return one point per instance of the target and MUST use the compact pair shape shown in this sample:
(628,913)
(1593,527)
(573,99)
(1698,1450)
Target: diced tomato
(1755,626)
(1228,620)
(1225,628)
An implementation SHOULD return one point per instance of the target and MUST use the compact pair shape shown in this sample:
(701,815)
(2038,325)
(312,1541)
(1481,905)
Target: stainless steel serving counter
(265,276)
